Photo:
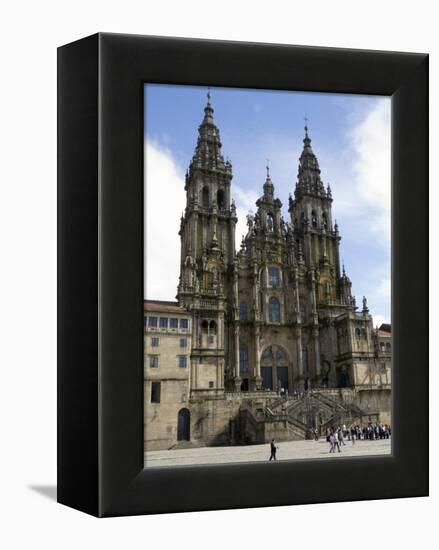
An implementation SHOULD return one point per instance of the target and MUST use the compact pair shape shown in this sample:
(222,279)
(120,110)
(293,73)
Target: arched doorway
(274,368)
(184,425)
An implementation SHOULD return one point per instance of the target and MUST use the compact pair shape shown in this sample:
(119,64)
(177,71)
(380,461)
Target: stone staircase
(295,417)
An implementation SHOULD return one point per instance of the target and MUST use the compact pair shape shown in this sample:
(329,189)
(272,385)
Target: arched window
(314,218)
(220,199)
(243,359)
(388,347)
(274,310)
(281,356)
(267,353)
(205,197)
(273,277)
(212,327)
(324,220)
(261,278)
(243,312)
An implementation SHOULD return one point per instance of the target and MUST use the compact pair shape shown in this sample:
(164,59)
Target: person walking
(331,439)
(340,438)
(273,450)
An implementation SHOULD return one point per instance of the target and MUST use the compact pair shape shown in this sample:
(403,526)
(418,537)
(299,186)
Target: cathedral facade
(278,345)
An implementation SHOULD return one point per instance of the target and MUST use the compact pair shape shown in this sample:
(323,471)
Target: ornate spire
(308,177)
(207,154)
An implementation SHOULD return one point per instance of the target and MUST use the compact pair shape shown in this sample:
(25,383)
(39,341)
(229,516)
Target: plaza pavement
(288,450)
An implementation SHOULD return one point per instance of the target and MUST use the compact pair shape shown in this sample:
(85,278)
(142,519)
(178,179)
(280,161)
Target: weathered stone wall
(160,427)
(375,401)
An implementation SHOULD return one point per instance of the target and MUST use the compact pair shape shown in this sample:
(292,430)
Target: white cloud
(245,203)
(371,144)
(384,288)
(164,202)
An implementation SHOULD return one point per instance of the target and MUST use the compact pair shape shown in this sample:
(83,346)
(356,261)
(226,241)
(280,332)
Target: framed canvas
(109,92)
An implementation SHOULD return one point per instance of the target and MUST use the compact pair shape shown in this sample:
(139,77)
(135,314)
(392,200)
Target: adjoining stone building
(276,343)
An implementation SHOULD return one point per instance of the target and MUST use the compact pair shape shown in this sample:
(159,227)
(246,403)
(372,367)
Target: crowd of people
(336,436)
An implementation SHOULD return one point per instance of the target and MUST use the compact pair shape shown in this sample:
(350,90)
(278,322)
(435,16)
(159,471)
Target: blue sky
(350,137)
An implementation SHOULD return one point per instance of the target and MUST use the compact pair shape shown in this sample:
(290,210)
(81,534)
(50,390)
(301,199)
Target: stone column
(237,373)
(308,252)
(316,344)
(298,337)
(313,297)
(257,352)
(324,248)
(194,234)
(256,293)
(231,243)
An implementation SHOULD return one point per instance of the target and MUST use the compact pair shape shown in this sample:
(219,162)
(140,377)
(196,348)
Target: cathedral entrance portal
(184,425)
(282,377)
(267,378)
(274,368)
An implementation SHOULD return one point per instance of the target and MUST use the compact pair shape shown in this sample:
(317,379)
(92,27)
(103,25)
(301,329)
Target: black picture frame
(100,274)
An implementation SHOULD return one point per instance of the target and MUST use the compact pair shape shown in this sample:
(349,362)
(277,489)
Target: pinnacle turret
(207,155)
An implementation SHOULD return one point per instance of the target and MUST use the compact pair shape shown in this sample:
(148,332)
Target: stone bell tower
(207,234)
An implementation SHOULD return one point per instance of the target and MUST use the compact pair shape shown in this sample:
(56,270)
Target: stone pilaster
(236,346)
(257,372)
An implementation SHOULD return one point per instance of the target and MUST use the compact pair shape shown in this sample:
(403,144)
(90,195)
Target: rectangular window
(183,323)
(243,314)
(211,339)
(153,361)
(152,321)
(183,342)
(273,277)
(173,323)
(155,392)
(154,342)
(163,322)
(182,361)
(243,359)
(211,384)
